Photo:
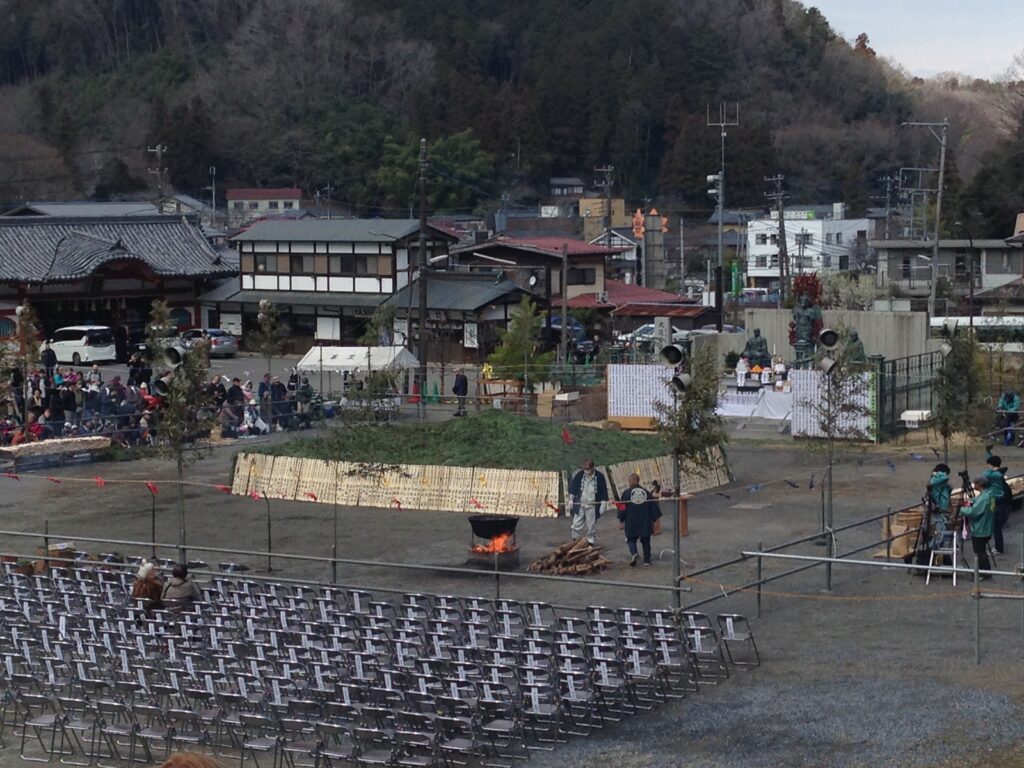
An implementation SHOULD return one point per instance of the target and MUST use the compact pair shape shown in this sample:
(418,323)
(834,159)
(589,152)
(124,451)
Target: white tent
(356,360)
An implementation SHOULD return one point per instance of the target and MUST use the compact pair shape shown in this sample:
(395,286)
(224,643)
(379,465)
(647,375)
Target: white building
(818,239)
(245,205)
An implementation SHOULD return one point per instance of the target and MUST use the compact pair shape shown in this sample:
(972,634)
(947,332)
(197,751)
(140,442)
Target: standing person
(460,389)
(1009,407)
(996,474)
(939,494)
(982,514)
(588,490)
(49,360)
(179,592)
(637,512)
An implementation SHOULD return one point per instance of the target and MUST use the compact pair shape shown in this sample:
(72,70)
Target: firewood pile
(572,558)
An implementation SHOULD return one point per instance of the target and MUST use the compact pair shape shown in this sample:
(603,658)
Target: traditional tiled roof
(273,193)
(43,249)
(463,292)
(335,230)
(84,209)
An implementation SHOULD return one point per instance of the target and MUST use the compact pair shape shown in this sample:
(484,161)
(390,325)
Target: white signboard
(401,334)
(807,386)
(470,339)
(634,389)
(231,322)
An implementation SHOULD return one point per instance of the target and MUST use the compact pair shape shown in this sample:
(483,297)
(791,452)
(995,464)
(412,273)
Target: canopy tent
(356,360)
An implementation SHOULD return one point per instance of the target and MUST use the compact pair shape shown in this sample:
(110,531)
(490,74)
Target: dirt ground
(880,671)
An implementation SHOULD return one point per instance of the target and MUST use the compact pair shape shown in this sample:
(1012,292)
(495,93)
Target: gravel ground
(878,672)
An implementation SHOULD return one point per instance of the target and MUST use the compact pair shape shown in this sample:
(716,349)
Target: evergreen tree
(518,355)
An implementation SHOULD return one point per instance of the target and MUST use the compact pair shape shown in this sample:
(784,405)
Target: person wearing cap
(588,491)
(982,514)
(996,474)
(147,587)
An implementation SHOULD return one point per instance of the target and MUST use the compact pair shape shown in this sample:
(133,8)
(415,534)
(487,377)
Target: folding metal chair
(736,633)
(416,749)
(372,746)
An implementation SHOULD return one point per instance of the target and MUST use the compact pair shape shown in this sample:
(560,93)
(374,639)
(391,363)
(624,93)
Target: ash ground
(878,672)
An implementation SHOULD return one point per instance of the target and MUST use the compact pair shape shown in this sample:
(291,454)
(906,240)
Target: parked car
(77,344)
(646,334)
(726,328)
(222,343)
(579,343)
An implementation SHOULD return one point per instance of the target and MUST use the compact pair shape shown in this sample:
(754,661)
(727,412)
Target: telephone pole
(422,347)
(724,121)
(159,150)
(778,197)
(605,185)
(940,132)
(328,188)
(213,195)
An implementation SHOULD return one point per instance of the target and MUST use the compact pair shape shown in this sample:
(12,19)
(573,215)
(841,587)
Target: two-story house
(245,205)
(324,276)
(819,239)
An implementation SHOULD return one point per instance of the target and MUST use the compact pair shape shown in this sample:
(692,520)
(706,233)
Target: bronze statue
(756,350)
(855,349)
(806,324)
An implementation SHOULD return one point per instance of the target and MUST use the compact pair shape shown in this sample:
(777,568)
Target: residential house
(106,269)
(83,209)
(180,203)
(623,306)
(626,263)
(565,186)
(905,266)
(325,276)
(819,239)
(245,205)
(594,212)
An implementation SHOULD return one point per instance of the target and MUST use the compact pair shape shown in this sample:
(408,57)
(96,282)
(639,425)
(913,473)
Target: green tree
(957,389)
(381,322)
(266,339)
(187,410)
(518,356)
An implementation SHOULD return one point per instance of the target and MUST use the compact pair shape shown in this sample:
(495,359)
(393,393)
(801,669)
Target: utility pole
(779,197)
(212,170)
(941,135)
(605,185)
(563,349)
(159,171)
(800,250)
(724,121)
(328,188)
(422,347)
(682,257)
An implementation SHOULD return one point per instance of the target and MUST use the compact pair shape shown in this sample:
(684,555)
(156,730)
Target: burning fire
(500,543)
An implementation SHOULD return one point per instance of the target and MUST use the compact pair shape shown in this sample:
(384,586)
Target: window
(905,268)
(826,261)
(303,264)
(774,262)
(238,205)
(266,262)
(334,265)
(839,238)
(761,240)
(288,204)
(272,205)
(828,238)
(761,261)
(581,276)
(804,238)
(366,265)
(253,205)
(775,239)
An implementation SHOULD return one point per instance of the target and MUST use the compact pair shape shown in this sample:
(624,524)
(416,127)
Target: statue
(855,349)
(805,325)
(757,350)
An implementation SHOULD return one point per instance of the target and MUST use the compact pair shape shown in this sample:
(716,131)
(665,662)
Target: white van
(79,344)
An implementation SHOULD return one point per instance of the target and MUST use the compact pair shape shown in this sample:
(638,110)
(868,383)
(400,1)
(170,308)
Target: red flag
(310,494)
(255,496)
(476,503)
(54,480)
(11,475)
(224,488)
(152,488)
(397,503)
(566,437)
(549,505)
(100,481)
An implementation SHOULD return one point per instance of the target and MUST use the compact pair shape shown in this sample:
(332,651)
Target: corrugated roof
(272,193)
(230,292)
(459,292)
(44,249)
(620,293)
(334,230)
(84,209)
(640,309)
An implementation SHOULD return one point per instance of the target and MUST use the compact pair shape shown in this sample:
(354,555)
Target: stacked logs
(572,558)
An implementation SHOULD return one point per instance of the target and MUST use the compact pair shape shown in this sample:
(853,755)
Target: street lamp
(970,290)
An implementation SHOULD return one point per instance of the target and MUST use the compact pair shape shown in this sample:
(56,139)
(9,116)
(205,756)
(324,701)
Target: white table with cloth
(764,404)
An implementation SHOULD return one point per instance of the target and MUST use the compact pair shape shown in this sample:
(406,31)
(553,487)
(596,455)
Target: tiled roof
(273,193)
(641,309)
(550,246)
(85,209)
(620,293)
(460,291)
(334,230)
(43,249)
(229,292)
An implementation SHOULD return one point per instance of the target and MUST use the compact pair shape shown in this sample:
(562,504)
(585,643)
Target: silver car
(222,343)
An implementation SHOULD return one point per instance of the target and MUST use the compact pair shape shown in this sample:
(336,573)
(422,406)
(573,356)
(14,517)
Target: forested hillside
(312,92)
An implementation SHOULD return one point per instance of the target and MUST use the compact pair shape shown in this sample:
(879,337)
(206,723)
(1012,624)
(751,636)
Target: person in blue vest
(1009,409)
(996,474)
(637,512)
(982,514)
(588,491)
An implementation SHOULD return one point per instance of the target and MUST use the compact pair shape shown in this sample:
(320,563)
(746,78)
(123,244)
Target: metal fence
(903,384)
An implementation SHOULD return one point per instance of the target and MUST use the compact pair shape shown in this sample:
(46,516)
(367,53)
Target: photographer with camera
(996,474)
(939,494)
(982,513)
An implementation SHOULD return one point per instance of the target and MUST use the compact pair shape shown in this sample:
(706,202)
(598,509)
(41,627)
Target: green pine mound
(489,439)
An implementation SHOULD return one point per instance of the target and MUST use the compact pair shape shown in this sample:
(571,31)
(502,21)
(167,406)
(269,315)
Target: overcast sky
(976,37)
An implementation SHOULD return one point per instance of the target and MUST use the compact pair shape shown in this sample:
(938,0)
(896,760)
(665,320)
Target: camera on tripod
(965,476)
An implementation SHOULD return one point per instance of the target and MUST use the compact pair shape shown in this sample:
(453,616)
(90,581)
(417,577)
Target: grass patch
(489,439)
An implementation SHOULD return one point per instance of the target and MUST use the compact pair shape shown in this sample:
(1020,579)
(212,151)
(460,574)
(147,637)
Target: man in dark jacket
(637,512)
(49,360)
(460,389)
(588,490)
